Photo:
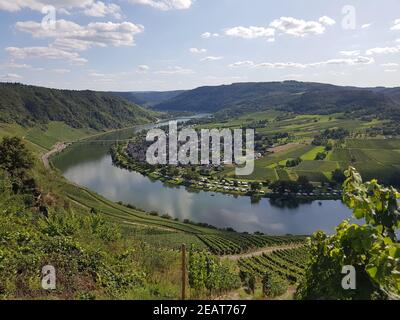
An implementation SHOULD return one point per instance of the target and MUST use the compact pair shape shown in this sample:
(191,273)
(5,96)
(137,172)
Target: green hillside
(31,105)
(293,96)
(148,98)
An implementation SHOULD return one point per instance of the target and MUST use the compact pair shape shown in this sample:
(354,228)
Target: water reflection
(242,214)
(90,165)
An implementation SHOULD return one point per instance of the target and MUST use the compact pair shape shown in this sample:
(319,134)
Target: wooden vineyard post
(183,271)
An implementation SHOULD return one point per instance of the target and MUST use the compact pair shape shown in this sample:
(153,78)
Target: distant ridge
(28,105)
(148,98)
(293,96)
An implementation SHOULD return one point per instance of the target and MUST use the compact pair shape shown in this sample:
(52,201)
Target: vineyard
(235,243)
(206,272)
(288,264)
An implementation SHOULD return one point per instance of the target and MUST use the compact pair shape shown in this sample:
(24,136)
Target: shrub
(372,248)
(273,285)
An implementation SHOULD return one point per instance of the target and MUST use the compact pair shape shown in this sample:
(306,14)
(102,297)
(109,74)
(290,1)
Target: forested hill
(148,98)
(300,97)
(30,105)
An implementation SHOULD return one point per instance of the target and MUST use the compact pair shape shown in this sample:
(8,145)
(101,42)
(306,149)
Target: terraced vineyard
(286,263)
(235,243)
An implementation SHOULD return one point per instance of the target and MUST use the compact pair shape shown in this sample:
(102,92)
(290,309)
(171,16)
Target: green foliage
(372,248)
(207,272)
(293,162)
(378,205)
(30,105)
(14,157)
(299,97)
(90,257)
(233,243)
(338,176)
(248,280)
(273,285)
(288,264)
(320,156)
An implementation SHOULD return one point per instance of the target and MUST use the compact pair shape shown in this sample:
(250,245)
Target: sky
(158,45)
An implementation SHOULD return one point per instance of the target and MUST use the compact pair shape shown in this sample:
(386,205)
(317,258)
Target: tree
(255,186)
(305,184)
(14,157)
(320,156)
(293,162)
(338,176)
(273,285)
(282,186)
(372,248)
(249,281)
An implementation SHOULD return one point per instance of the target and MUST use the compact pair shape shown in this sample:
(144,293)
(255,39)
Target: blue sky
(135,45)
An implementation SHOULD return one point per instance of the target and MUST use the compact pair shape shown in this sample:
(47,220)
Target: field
(44,137)
(288,264)
(373,157)
(233,243)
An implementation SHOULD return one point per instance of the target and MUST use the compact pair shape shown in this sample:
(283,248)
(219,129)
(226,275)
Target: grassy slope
(32,106)
(154,241)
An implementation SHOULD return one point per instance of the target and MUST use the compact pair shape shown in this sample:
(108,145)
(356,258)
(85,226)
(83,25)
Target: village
(211,178)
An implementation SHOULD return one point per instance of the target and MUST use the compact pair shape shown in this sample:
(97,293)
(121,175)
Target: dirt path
(56,149)
(259,252)
(284,147)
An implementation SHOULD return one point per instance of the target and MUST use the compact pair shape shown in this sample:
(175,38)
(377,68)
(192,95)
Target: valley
(251,231)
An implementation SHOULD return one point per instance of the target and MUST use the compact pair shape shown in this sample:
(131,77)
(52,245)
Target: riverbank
(59,147)
(233,187)
(89,164)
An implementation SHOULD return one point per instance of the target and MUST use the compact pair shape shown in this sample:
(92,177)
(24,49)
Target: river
(89,164)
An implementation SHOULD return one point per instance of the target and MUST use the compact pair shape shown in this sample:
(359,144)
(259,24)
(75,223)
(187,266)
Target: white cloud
(197,50)
(37,5)
(345,62)
(100,9)
(396,26)
(89,7)
(283,65)
(143,68)
(45,53)
(350,53)
(13,65)
(61,71)
(251,32)
(269,65)
(389,65)
(207,35)
(325,20)
(72,36)
(391,70)
(175,70)
(301,28)
(10,77)
(103,77)
(246,63)
(382,50)
(366,26)
(211,58)
(166,4)
(280,65)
